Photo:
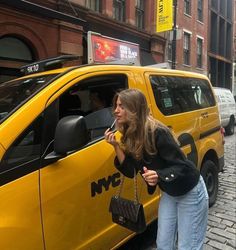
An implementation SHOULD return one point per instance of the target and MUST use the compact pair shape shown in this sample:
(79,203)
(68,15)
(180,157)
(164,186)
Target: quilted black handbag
(128,213)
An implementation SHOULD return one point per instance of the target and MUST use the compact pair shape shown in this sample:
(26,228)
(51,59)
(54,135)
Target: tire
(209,173)
(229,130)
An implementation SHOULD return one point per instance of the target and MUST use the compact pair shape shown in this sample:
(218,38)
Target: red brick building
(191,44)
(33,30)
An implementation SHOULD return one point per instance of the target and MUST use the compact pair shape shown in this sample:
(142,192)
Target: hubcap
(210,182)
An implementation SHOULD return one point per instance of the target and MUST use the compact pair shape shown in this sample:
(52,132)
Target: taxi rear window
(16,92)
(175,95)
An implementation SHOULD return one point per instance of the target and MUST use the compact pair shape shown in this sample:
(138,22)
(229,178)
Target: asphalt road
(221,231)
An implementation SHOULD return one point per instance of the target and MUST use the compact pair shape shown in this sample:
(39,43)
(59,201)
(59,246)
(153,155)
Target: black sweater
(177,175)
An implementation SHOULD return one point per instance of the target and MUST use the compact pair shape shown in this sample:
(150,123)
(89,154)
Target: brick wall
(189,23)
(45,37)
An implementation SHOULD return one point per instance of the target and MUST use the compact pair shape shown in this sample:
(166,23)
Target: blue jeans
(185,216)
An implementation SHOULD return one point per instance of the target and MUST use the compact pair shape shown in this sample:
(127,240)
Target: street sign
(179,33)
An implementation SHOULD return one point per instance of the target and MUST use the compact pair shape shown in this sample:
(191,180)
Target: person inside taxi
(100,116)
(149,146)
(97,101)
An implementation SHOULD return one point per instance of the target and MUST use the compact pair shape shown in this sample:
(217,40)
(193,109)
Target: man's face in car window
(96,102)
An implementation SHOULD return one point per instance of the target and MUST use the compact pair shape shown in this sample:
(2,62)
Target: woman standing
(149,147)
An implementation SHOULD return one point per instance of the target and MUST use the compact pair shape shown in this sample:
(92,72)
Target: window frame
(199,52)
(119,10)
(186,48)
(95,5)
(200,10)
(187,7)
(140,14)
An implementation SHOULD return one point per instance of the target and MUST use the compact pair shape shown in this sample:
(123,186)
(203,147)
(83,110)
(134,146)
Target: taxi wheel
(209,173)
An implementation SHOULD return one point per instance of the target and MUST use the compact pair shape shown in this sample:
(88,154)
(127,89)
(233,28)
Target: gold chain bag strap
(128,213)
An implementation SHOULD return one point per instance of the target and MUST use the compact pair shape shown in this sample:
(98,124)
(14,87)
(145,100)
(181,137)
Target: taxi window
(14,93)
(175,95)
(92,98)
(26,149)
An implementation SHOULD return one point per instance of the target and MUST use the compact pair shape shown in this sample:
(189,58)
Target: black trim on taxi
(18,172)
(209,132)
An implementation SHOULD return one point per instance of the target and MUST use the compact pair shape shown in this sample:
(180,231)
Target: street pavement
(221,230)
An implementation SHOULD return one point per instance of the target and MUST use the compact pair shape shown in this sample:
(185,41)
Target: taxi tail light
(222,131)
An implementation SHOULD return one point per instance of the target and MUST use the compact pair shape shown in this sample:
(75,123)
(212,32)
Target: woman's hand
(110,138)
(150,176)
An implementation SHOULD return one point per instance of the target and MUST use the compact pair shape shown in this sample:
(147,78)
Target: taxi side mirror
(71,134)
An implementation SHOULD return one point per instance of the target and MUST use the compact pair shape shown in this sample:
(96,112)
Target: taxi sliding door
(76,190)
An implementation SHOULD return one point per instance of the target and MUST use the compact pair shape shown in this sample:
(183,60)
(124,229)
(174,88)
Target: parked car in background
(227,108)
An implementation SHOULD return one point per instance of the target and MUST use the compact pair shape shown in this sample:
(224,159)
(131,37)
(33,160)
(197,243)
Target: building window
(229,9)
(187,7)
(12,48)
(214,4)
(199,52)
(119,10)
(15,52)
(200,10)
(94,5)
(140,14)
(186,48)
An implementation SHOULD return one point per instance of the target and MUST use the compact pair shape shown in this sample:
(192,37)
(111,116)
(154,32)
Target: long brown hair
(138,134)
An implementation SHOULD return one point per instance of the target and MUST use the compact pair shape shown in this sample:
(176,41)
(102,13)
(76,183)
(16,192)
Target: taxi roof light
(47,64)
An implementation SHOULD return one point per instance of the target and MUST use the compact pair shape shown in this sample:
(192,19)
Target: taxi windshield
(15,93)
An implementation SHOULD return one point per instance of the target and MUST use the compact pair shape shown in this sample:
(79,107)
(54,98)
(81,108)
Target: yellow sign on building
(164,15)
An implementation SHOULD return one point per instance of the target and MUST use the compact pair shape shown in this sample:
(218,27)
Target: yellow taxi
(57,173)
